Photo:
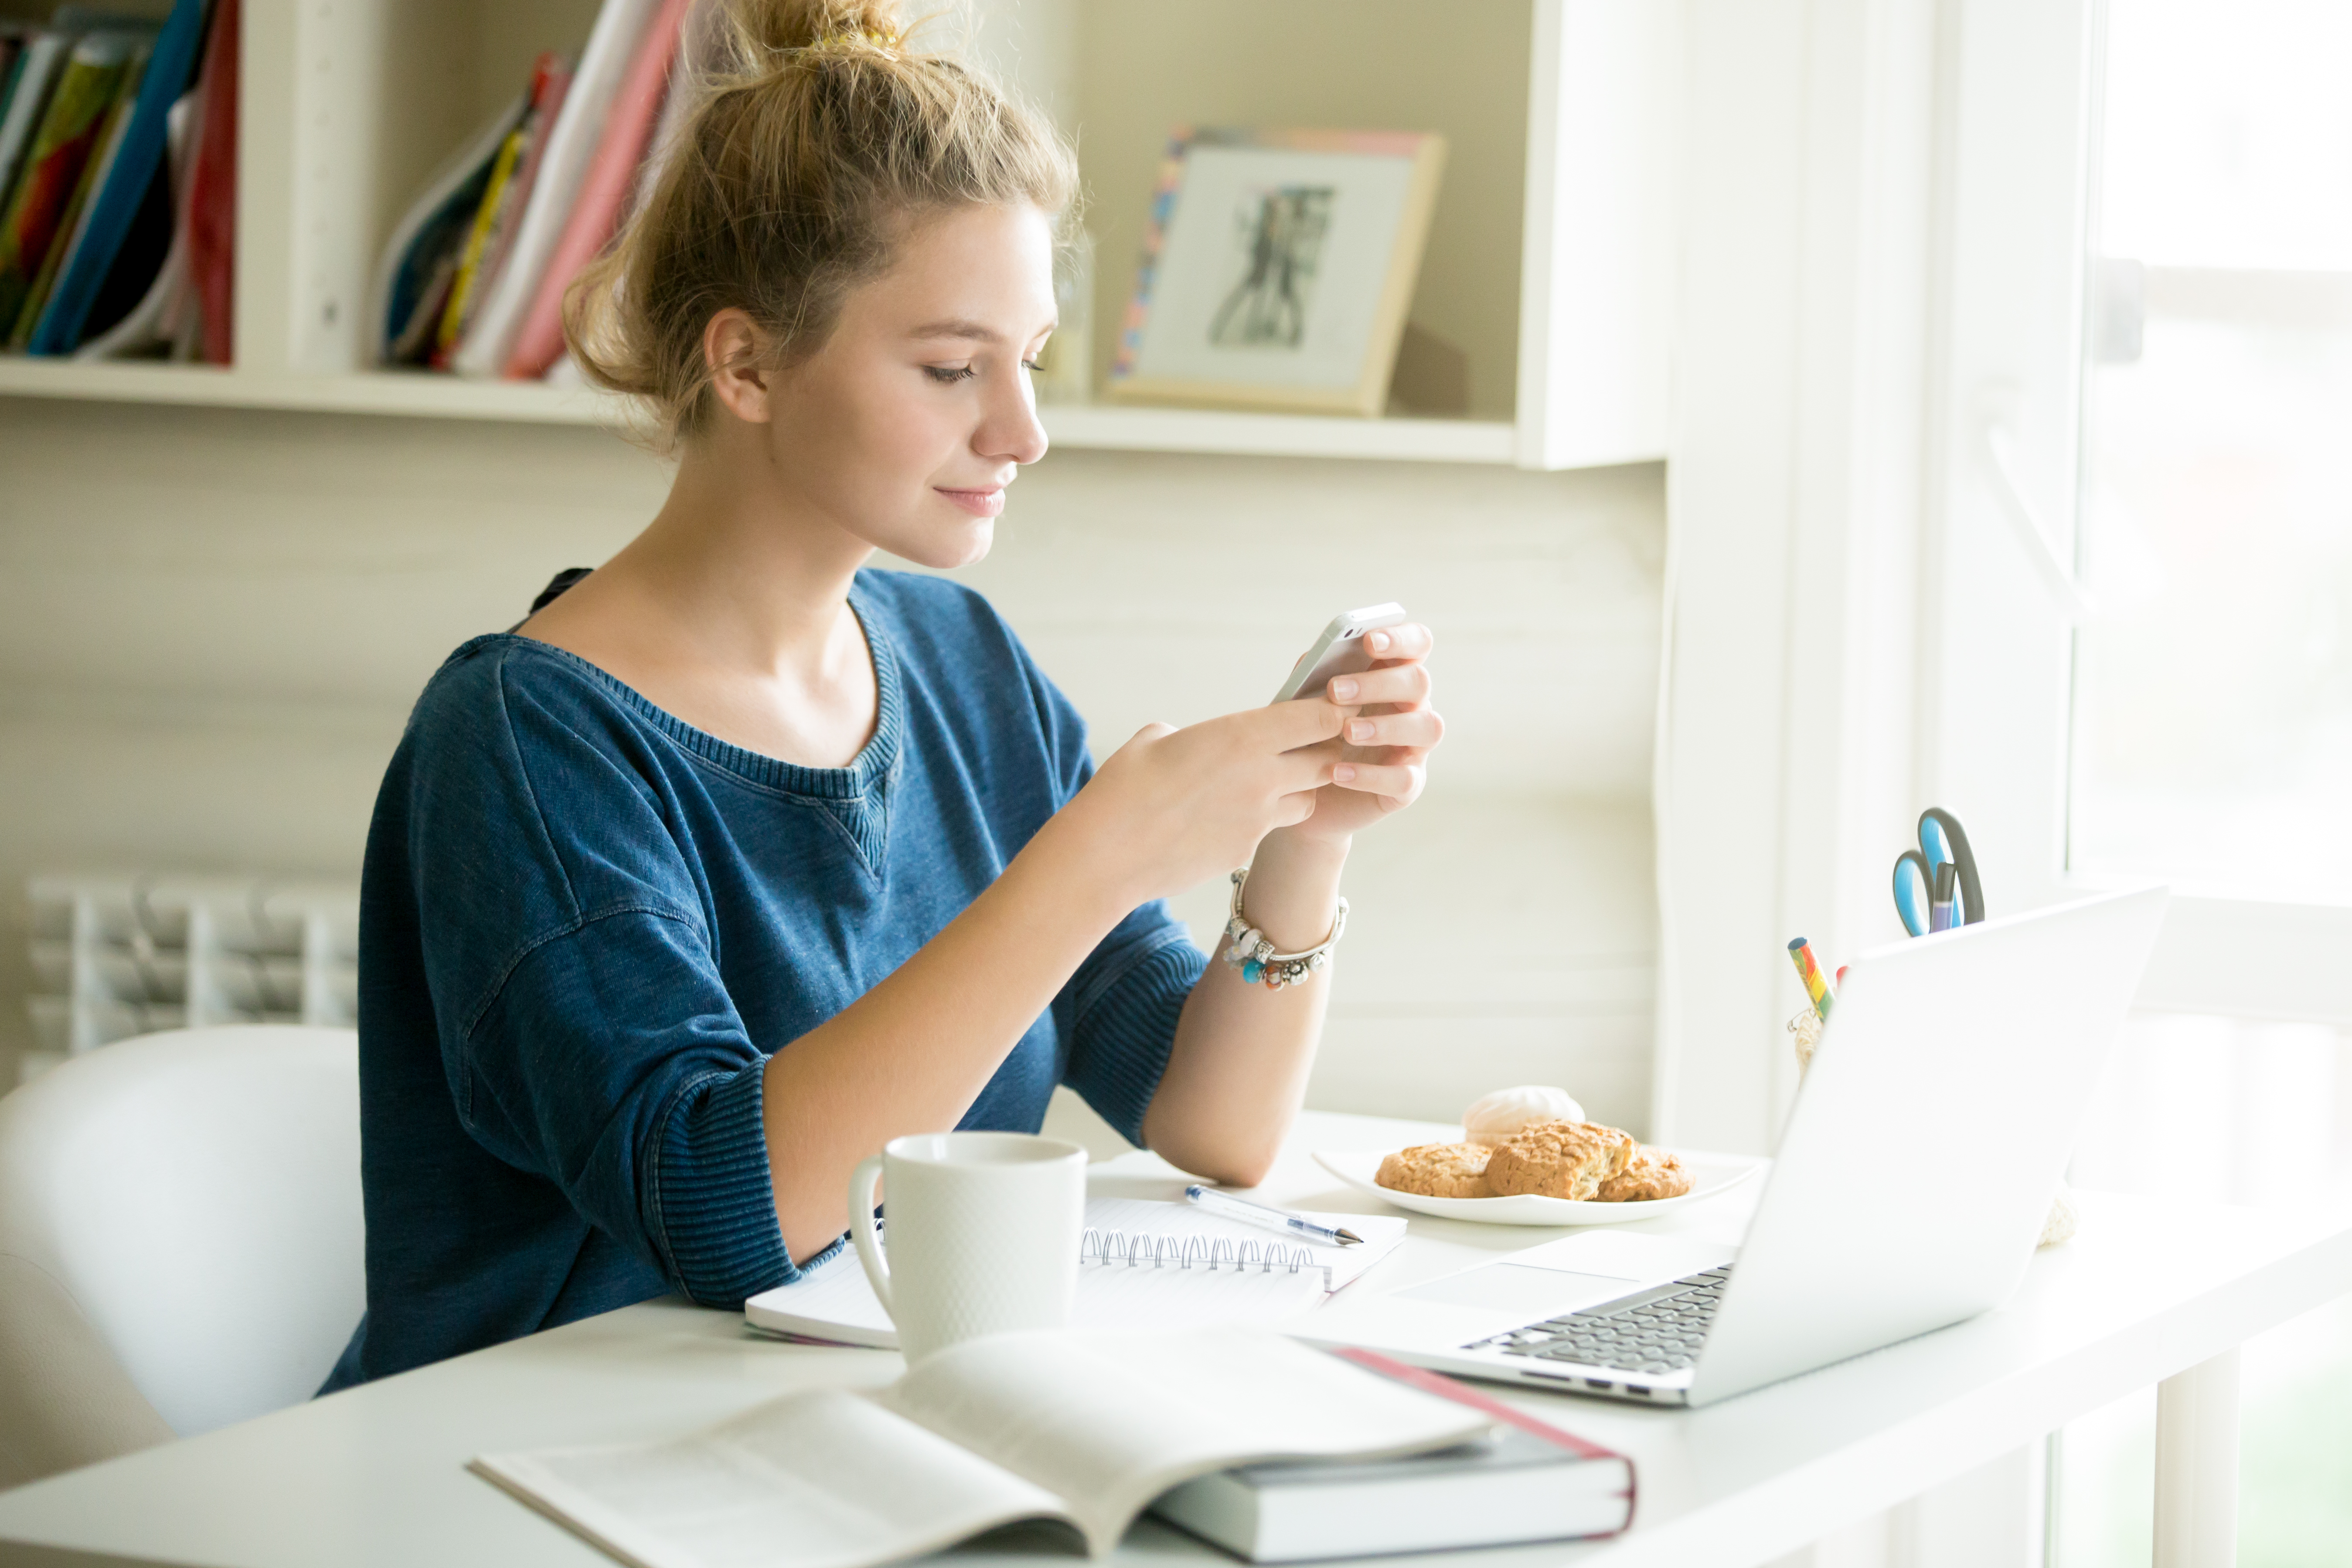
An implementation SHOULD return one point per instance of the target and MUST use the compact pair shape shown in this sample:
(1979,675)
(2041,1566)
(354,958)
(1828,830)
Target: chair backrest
(187,1204)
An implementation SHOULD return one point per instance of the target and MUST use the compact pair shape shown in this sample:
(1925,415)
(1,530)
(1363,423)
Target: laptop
(1911,1186)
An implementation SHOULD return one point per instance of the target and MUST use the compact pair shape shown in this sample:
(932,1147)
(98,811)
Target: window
(2213,689)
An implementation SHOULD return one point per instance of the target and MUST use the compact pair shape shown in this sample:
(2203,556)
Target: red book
(596,213)
(212,191)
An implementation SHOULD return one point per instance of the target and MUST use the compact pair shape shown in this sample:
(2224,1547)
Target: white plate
(1709,1173)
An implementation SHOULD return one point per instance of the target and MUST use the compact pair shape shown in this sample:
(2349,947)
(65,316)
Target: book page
(1110,1421)
(822,1480)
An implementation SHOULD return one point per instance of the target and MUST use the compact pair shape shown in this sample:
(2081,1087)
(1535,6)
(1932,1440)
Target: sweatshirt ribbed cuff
(713,1212)
(1126,1034)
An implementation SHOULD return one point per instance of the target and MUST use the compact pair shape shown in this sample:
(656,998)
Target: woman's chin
(943,549)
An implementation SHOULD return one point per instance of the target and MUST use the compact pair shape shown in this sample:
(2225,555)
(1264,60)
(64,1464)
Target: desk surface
(376,1476)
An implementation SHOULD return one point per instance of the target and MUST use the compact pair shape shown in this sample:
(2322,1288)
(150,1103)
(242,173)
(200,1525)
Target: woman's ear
(733,347)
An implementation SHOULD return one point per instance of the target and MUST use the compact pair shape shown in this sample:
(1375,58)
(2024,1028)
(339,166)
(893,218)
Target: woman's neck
(732,611)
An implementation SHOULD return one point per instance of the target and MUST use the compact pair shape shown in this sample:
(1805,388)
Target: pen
(1258,1214)
(1943,902)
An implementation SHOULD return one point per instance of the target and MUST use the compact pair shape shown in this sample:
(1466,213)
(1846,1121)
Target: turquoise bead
(1252,970)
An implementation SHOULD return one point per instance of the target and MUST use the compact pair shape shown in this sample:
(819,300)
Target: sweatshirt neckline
(865,772)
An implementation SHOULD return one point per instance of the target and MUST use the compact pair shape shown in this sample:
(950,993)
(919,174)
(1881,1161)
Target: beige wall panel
(212,623)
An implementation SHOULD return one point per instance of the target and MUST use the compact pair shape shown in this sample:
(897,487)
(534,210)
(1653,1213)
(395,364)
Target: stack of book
(117,184)
(472,280)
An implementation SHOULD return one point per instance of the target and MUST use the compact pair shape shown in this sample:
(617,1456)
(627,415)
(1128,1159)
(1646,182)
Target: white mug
(984,1234)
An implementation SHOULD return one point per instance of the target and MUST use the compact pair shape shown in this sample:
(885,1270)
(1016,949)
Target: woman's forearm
(913,1053)
(1238,1069)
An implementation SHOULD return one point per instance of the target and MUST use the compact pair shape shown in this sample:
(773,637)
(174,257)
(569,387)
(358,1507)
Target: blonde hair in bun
(819,137)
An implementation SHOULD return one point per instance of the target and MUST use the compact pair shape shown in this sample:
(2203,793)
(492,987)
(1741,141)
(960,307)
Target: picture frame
(1278,268)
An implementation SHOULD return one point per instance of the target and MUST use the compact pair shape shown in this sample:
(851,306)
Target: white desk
(2146,1291)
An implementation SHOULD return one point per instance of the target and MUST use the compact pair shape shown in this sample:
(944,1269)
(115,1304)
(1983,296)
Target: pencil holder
(1805,1030)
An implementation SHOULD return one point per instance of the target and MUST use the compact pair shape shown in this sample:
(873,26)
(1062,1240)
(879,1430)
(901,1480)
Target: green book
(40,210)
(76,213)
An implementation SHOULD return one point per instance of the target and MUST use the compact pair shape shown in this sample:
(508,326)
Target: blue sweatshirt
(584,925)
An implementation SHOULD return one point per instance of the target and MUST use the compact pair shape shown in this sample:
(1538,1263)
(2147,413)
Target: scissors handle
(1913,888)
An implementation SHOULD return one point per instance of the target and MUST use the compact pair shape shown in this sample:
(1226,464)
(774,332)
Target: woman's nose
(1010,430)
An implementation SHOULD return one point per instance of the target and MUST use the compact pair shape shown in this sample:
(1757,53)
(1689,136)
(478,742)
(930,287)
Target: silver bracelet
(1255,956)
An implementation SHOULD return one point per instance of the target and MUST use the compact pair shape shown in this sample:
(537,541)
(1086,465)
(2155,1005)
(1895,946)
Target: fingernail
(1343,773)
(1343,691)
(1379,641)
(1359,729)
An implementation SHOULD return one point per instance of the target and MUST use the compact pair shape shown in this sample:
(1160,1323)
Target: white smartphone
(1339,650)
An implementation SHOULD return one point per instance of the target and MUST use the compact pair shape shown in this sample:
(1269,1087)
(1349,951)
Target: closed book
(459,306)
(212,195)
(1525,1481)
(71,128)
(420,261)
(73,234)
(571,144)
(44,57)
(126,181)
(551,78)
(596,210)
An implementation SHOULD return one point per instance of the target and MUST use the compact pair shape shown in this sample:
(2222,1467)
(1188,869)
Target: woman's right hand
(1174,807)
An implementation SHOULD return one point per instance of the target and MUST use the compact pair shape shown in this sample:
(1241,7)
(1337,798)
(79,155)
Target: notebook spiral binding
(1142,1251)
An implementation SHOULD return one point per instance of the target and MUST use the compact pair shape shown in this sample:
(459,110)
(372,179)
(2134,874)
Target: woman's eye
(1032,366)
(948,376)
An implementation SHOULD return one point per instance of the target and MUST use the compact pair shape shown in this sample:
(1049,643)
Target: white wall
(212,623)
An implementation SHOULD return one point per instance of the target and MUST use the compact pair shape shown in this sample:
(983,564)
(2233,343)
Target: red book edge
(1445,1387)
(596,211)
(212,191)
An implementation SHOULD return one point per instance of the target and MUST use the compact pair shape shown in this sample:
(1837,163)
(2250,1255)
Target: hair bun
(780,27)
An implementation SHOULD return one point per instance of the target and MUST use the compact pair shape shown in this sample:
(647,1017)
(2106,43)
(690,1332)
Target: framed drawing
(1278,269)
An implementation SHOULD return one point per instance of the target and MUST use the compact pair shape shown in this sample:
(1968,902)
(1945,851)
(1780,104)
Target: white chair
(180,1239)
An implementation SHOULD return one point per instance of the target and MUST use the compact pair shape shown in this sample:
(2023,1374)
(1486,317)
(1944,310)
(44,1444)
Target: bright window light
(2213,711)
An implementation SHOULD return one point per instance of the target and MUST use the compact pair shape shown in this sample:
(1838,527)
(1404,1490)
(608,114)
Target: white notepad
(1143,1265)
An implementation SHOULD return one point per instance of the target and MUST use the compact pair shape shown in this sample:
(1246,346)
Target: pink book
(628,131)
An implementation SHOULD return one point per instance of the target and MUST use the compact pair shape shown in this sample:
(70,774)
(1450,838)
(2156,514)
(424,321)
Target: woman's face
(906,427)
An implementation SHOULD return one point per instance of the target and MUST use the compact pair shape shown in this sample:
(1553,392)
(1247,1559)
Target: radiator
(118,955)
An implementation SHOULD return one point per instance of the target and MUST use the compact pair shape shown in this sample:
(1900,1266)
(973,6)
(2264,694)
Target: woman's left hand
(1385,744)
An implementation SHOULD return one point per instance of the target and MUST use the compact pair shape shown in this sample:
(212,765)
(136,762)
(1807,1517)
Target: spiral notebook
(1142,1265)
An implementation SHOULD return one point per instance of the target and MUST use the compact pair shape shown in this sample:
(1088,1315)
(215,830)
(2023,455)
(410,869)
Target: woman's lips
(979,503)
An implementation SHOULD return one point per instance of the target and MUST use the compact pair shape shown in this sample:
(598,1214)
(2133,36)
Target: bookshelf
(1548,274)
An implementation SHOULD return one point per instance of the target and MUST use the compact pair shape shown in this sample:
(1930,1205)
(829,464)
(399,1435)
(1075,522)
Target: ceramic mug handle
(862,1183)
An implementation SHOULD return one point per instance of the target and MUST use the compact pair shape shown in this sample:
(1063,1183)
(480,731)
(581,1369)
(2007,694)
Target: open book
(1082,1430)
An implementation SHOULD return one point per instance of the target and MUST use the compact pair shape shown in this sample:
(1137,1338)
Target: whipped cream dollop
(1495,1117)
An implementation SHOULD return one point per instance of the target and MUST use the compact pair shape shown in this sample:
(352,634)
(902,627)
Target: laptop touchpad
(1532,1293)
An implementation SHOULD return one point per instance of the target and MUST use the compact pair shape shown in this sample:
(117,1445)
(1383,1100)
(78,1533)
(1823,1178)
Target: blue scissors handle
(1942,842)
(1914,888)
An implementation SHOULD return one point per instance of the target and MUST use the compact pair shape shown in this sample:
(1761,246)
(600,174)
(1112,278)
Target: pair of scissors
(1936,885)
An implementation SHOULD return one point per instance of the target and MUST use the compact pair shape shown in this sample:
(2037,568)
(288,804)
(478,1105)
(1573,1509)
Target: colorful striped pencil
(1809,969)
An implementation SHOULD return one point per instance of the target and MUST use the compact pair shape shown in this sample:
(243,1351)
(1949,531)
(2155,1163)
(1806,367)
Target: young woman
(738,859)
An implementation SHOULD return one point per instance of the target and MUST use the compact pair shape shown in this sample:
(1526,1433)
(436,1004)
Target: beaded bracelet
(1255,956)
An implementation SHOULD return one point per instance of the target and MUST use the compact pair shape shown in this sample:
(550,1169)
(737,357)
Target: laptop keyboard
(1657,1330)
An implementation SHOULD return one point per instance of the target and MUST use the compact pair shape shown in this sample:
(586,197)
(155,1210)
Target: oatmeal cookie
(1437,1171)
(1651,1173)
(1559,1159)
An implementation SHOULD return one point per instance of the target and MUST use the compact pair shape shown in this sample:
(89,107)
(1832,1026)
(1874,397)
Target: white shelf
(1278,435)
(344,108)
(417,394)
(421,396)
